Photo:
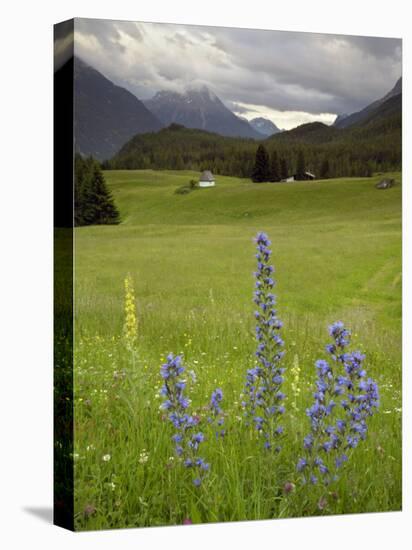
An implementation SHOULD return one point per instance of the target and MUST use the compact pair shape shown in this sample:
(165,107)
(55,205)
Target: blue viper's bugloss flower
(215,400)
(343,400)
(187,438)
(217,417)
(263,383)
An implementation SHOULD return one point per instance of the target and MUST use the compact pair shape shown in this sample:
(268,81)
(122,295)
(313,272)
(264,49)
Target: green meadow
(337,255)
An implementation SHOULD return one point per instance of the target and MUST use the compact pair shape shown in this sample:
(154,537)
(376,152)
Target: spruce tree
(274,167)
(261,169)
(93,202)
(324,169)
(283,168)
(300,166)
(104,209)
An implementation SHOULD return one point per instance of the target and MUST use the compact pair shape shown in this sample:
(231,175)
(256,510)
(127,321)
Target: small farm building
(307,176)
(385,184)
(206,179)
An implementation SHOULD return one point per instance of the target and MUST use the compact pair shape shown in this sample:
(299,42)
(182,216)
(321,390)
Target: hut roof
(206,175)
(385,183)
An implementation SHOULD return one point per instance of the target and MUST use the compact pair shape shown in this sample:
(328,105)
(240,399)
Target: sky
(288,77)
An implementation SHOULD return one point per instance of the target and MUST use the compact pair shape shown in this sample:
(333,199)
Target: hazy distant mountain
(198,107)
(264,126)
(340,118)
(344,121)
(106,115)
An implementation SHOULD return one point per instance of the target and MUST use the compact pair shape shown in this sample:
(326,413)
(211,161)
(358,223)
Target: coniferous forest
(328,152)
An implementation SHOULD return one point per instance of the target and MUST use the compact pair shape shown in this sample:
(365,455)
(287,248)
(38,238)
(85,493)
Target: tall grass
(193,284)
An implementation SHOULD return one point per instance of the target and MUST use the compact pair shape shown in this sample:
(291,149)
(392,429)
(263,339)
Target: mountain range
(107,116)
(198,107)
(345,120)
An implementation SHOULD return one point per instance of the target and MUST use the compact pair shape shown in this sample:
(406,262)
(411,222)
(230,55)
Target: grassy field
(337,252)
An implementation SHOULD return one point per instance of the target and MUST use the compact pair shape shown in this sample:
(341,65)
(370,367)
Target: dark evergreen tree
(274,167)
(300,166)
(93,201)
(261,169)
(283,168)
(369,169)
(324,169)
(105,211)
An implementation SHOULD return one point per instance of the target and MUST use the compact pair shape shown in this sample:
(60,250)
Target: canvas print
(227,274)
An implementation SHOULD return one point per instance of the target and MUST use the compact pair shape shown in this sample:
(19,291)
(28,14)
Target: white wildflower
(143,457)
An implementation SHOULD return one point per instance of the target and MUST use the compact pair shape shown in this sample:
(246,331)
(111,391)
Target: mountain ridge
(264,126)
(199,107)
(344,121)
(106,115)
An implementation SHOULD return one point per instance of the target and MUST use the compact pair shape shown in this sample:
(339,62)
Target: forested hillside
(372,146)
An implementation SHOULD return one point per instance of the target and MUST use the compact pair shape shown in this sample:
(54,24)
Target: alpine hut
(206,179)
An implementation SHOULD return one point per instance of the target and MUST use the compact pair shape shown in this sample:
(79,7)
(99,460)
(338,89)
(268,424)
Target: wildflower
(216,398)
(187,438)
(263,382)
(217,417)
(106,458)
(302,463)
(343,400)
(130,323)
(187,521)
(143,457)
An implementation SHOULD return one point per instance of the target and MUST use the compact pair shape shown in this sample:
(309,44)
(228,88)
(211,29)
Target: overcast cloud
(288,77)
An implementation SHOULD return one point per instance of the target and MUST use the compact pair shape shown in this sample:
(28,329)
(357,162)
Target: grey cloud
(377,47)
(285,71)
(180,40)
(63,43)
(236,107)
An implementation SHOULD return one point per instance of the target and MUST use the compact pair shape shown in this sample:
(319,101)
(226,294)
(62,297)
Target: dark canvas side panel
(63,274)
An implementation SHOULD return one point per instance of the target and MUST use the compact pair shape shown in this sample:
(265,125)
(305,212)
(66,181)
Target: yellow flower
(130,324)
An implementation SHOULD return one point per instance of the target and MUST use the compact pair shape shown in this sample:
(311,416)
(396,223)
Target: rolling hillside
(165,237)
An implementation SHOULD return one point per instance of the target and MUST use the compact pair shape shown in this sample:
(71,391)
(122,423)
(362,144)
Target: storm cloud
(289,77)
